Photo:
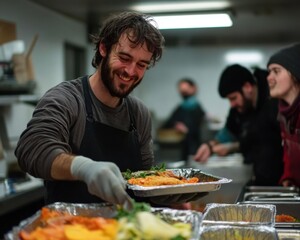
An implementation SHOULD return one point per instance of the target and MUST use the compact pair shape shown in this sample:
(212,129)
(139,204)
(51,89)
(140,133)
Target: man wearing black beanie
(251,125)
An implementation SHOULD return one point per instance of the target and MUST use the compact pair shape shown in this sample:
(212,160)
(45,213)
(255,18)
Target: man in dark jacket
(252,121)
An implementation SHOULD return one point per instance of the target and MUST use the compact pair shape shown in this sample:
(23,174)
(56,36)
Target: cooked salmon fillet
(160,181)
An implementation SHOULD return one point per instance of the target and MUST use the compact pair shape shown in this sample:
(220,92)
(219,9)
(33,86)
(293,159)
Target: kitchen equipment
(277,196)
(280,189)
(222,232)
(291,208)
(288,234)
(108,211)
(239,214)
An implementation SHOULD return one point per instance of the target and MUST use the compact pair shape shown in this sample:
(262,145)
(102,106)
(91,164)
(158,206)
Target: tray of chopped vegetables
(66,221)
(160,181)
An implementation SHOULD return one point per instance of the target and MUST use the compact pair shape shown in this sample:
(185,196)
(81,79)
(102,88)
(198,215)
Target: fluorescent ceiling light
(193,21)
(244,57)
(180,6)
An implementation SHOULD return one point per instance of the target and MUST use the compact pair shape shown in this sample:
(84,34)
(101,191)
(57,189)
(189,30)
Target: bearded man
(85,131)
(251,126)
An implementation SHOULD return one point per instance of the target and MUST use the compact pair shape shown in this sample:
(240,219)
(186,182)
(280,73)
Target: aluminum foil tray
(207,183)
(291,208)
(278,189)
(108,211)
(288,234)
(226,232)
(239,214)
(271,196)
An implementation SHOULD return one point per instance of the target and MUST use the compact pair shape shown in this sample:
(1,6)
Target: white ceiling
(254,21)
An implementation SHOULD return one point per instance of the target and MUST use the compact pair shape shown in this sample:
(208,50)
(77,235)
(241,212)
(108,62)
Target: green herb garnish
(127,175)
(137,207)
(142,174)
(161,167)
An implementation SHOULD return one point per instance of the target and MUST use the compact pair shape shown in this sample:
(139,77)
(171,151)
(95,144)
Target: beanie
(289,58)
(233,78)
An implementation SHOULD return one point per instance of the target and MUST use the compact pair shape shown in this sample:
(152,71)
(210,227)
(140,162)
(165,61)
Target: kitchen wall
(204,64)
(48,56)
(158,89)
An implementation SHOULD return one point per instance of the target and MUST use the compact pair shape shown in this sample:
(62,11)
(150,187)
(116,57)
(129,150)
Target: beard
(120,91)
(247,105)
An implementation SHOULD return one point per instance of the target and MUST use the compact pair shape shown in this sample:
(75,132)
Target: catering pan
(226,232)
(277,189)
(207,183)
(109,211)
(288,234)
(253,196)
(239,214)
(287,208)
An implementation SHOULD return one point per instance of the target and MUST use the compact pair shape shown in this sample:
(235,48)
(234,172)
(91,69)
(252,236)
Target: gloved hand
(103,179)
(177,198)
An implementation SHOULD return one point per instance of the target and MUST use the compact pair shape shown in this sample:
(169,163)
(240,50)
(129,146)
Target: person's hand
(221,149)
(181,127)
(177,198)
(203,153)
(103,179)
(287,183)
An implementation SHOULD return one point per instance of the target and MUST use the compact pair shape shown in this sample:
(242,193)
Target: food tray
(226,232)
(207,183)
(288,208)
(278,189)
(288,234)
(109,211)
(280,196)
(239,214)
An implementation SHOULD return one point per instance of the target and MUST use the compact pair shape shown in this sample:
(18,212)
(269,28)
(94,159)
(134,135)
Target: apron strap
(88,100)
(132,118)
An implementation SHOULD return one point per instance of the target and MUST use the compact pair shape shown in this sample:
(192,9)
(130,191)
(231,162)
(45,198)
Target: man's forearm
(61,167)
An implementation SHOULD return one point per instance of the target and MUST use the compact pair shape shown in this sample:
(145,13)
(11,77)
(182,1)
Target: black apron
(100,143)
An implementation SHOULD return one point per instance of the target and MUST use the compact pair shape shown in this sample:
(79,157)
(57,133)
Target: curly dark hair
(141,31)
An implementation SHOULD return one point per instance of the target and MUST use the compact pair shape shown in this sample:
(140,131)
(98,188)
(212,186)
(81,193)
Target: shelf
(6,100)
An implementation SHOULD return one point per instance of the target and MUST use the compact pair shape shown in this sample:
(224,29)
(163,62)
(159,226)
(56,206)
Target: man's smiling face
(124,67)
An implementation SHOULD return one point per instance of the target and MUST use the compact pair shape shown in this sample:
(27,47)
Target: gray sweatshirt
(59,119)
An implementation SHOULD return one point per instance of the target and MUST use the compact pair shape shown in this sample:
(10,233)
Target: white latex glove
(103,179)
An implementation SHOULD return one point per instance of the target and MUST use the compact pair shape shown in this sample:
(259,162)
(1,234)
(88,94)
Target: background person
(187,117)
(284,84)
(251,125)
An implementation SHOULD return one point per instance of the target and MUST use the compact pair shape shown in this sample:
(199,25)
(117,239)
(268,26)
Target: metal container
(268,193)
(239,214)
(271,196)
(277,189)
(207,183)
(108,211)
(288,234)
(226,232)
(288,208)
